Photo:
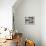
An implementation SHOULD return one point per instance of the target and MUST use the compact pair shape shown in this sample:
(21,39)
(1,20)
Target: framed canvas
(29,20)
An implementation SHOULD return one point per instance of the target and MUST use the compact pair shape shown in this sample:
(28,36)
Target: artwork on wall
(29,20)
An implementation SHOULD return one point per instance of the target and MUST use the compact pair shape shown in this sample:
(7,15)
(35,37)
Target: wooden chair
(29,43)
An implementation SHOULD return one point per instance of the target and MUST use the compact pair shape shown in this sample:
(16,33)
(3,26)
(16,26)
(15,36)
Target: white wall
(6,18)
(6,13)
(29,8)
(43,22)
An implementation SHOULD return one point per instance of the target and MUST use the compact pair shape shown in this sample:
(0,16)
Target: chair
(29,43)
